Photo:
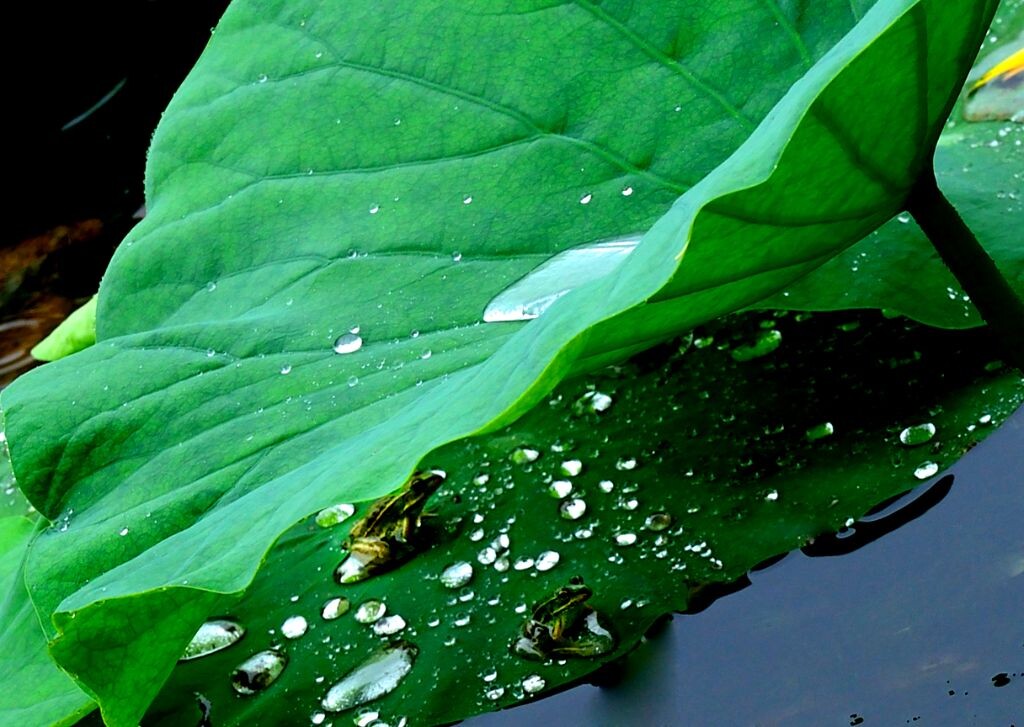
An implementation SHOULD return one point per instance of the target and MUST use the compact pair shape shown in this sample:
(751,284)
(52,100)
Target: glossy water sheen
(919,627)
(530,296)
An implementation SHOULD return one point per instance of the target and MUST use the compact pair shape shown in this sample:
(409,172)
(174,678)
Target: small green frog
(390,531)
(564,626)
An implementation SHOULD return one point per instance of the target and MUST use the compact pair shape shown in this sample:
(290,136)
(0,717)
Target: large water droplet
(926,470)
(524,455)
(372,679)
(560,488)
(258,672)
(571,467)
(592,401)
(532,295)
(348,343)
(573,509)
(294,627)
(658,521)
(917,434)
(625,538)
(213,636)
(334,515)
(370,611)
(388,625)
(533,683)
(335,608)
(457,575)
(547,560)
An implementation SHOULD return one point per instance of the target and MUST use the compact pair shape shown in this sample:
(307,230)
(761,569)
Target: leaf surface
(392,172)
(698,468)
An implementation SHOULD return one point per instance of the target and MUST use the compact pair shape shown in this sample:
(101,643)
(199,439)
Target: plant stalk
(960,250)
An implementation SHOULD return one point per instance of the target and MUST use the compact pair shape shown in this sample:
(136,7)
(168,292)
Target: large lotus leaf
(685,469)
(319,170)
(35,691)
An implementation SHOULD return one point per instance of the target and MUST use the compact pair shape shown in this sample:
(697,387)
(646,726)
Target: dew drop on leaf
(335,608)
(917,434)
(573,509)
(348,343)
(375,677)
(370,611)
(294,627)
(258,672)
(213,636)
(457,575)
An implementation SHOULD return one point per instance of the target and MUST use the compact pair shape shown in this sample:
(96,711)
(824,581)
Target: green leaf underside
(980,168)
(721,446)
(178,425)
(35,691)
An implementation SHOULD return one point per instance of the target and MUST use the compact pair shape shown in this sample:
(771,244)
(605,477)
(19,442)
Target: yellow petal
(1007,69)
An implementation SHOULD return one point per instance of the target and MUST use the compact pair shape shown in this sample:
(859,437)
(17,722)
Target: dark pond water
(923,625)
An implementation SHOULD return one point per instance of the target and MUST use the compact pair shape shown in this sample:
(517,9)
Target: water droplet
(374,209)
(530,296)
(348,343)
(467,199)
(334,515)
(426,354)
(462,619)
(317,718)
(819,431)
(533,683)
(286,369)
(457,575)
(573,509)
(585,199)
(524,455)
(370,611)
(985,419)
(560,488)
(495,693)
(258,672)
(547,560)
(388,625)
(523,563)
(658,521)
(926,470)
(903,218)
(625,539)
(372,679)
(571,467)
(122,532)
(917,434)
(487,556)
(294,627)
(210,287)
(213,636)
(772,496)
(626,464)
(262,78)
(606,486)
(765,343)
(456,257)
(627,191)
(335,608)
(592,401)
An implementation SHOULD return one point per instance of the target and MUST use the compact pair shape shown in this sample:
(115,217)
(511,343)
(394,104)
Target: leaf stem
(970,264)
